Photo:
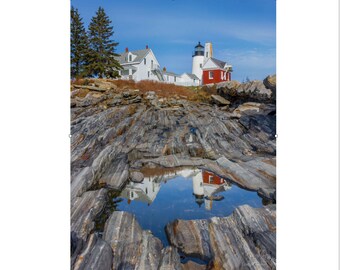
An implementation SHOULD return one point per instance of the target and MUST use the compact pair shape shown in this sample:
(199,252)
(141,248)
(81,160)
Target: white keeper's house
(143,65)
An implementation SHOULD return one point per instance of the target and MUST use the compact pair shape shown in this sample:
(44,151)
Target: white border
(35,127)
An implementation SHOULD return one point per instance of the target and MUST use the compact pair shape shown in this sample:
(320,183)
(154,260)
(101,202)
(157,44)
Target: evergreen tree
(79,45)
(102,48)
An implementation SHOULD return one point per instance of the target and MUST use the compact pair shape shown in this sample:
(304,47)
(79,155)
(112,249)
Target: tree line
(93,51)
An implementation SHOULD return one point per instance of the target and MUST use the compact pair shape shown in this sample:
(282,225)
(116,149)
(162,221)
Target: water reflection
(147,190)
(206,186)
(169,194)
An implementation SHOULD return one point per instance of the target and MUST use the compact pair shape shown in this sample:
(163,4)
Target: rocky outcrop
(219,100)
(108,143)
(136,177)
(115,133)
(132,247)
(97,254)
(84,210)
(244,240)
(252,91)
(170,259)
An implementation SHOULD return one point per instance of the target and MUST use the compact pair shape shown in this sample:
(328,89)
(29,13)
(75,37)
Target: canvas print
(173,134)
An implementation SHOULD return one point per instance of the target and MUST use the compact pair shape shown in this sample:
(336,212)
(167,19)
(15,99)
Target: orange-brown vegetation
(162,90)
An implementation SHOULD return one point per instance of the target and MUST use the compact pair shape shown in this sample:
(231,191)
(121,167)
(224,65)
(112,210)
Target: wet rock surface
(116,133)
(244,240)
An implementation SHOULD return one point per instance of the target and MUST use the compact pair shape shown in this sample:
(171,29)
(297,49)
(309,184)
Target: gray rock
(244,240)
(84,210)
(117,174)
(190,265)
(170,259)
(136,177)
(132,247)
(97,254)
(92,88)
(268,194)
(220,100)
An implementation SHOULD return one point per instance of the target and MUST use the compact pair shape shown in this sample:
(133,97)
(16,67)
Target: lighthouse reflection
(206,187)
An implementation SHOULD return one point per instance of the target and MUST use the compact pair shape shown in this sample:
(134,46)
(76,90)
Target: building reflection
(147,190)
(206,186)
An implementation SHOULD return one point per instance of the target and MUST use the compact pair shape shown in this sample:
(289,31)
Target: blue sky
(243,32)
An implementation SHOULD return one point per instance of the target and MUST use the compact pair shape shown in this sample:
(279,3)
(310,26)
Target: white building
(143,65)
(139,65)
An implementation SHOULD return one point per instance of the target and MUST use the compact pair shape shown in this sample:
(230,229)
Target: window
(130,58)
(151,64)
(175,78)
(211,74)
(206,54)
(200,65)
(211,179)
(148,74)
(144,61)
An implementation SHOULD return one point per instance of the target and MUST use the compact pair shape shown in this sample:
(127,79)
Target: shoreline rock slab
(84,210)
(132,247)
(244,240)
(97,254)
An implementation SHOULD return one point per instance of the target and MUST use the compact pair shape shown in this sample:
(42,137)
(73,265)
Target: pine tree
(79,45)
(102,48)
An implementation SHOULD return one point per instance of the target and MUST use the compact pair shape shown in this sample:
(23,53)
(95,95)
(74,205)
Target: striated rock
(84,209)
(244,240)
(270,82)
(252,174)
(249,91)
(115,134)
(268,194)
(136,177)
(245,107)
(89,87)
(170,259)
(105,84)
(97,254)
(190,265)
(117,174)
(220,100)
(132,247)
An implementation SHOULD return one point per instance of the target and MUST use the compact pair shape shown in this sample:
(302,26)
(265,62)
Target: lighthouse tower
(197,61)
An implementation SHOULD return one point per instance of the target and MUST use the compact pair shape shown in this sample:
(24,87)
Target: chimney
(147,47)
(126,49)
(164,69)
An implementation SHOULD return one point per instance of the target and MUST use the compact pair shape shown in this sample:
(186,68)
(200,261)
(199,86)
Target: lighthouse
(197,60)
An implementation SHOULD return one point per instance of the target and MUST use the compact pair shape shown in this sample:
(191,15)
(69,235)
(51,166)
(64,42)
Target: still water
(166,195)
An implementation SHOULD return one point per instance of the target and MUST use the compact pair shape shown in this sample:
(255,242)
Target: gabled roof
(140,54)
(219,63)
(215,62)
(170,73)
(192,76)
